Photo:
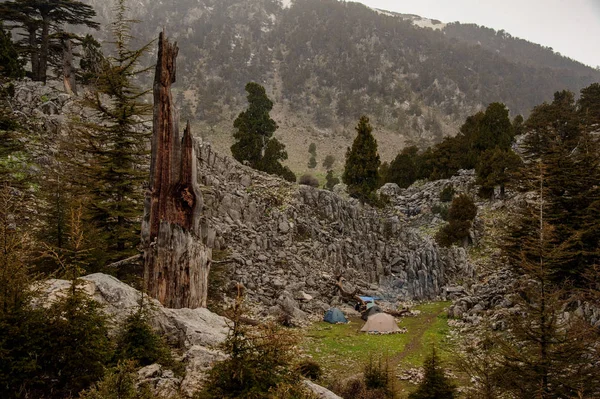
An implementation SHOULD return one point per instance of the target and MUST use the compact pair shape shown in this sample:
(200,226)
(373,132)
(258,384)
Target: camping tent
(381,323)
(371,311)
(334,316)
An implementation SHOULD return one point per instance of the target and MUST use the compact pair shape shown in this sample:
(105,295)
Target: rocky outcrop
(197,332)
(288,241)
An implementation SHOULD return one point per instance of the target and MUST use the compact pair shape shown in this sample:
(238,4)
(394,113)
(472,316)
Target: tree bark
(44,49)
(176,261)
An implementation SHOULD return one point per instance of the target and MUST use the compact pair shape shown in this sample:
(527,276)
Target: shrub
(259,362)
(376,383)
(310,369)
(308,180)
(331,180)
(137,342)
(447,194)
(435,385)
(441,210)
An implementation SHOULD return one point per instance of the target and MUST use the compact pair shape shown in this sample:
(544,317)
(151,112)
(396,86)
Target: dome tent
(334,316)
(381,323)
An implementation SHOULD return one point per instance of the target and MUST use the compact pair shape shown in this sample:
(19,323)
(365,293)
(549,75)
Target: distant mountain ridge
(326,62)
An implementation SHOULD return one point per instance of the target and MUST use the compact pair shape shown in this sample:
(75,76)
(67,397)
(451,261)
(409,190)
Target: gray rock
(318,390)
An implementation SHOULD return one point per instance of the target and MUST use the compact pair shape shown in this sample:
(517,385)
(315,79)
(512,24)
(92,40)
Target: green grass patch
(342,350)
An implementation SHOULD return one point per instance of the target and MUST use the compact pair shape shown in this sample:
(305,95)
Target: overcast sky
(571,27)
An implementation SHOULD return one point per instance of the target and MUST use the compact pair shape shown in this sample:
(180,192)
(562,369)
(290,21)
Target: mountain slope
(326,62)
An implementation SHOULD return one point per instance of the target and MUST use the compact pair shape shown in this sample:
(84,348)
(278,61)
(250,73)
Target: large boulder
(184,327)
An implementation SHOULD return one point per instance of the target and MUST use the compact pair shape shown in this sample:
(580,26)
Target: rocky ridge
(289,243)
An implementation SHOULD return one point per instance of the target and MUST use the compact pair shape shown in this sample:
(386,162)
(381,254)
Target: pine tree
(544,354)
(362,163)
(255,143)
(588,107)
(42,20)
(116,156)
(404,170)
(496,168)
(10,64)
(435,384)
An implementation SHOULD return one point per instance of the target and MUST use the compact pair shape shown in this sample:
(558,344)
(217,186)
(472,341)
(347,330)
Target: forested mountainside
(327,62)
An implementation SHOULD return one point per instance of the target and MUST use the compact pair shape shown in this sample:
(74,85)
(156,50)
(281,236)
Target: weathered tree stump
(176,261)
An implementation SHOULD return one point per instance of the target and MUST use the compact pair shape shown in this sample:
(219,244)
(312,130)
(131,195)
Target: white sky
(570,27)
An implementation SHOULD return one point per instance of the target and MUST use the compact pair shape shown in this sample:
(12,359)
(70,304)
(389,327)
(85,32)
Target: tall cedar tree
(571,158)
(362,163)
(42,20)
(117,157)
(435,384)
(544,354)
(255,143)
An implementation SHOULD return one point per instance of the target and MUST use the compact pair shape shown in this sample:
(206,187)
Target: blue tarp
(369,298)
(334,316)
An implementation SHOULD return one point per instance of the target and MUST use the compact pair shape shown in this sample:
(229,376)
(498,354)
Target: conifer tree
(10,64)
(42,20)
(362,163)
(495,168)
(255,143)
(544,354)
(435,384)
(116,148)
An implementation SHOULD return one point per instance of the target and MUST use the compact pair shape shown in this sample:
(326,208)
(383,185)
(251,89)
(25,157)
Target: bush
(377,383)
(435,385)
(137,342)
(331,180)
(118,383)
(308,180)
(441,210)
(447,194)
(310,369)
(259,362)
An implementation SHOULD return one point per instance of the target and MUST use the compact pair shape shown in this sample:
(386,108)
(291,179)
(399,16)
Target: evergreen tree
(115,149)
(495,168)
(137,341)
(552,123)
(260,361)
(404,168)
(312,149)
(362,163)
(10,64)
(331,180)
(495,129)
(460,218)
(328,161)
(588,107)
(435,384)
(42,20)
(92,59)
(312,162)
(544,354)
(255,143)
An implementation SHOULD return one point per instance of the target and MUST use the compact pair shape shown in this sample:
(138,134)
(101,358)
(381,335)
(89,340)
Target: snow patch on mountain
(286,3)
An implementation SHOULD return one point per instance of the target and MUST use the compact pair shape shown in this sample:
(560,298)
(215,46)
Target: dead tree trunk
(68,73)
(176,261)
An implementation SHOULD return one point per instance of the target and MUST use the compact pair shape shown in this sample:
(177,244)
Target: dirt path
(415,344)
